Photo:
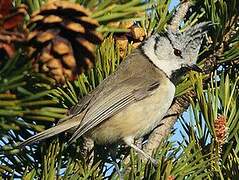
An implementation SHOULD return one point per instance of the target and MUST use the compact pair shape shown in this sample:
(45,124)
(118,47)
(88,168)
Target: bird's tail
(69,122)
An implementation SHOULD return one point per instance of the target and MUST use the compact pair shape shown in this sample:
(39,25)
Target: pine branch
(163,130)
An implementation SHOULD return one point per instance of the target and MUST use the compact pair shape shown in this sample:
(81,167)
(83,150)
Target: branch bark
(163,130)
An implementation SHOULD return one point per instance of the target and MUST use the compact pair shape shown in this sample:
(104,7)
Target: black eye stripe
(177,52)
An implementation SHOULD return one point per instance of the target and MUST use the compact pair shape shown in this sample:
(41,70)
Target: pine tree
(43,73)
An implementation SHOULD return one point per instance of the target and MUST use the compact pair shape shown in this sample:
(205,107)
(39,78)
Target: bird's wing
(114,100)
(78,108)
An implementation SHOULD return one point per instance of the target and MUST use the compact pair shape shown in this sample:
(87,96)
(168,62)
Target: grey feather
(193,35)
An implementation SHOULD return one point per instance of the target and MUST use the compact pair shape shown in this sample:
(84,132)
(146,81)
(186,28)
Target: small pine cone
(126,24)
(11,31)
(221,129)
(171,177)
(137,33)
(122,45)
(63,39)
(134,36)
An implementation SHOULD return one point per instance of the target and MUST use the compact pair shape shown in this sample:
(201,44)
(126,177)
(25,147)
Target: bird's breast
(138,118)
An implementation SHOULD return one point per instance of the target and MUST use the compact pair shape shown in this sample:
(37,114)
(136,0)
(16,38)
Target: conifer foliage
(54,52)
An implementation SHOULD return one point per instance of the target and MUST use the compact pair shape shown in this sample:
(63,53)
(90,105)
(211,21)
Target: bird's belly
(137,119)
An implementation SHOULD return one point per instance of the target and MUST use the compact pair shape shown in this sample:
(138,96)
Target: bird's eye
(177,52)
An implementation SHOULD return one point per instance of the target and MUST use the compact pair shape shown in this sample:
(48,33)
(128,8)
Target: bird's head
(173,51)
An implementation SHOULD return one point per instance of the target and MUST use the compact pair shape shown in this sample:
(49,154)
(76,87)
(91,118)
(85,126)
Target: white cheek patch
(160,57)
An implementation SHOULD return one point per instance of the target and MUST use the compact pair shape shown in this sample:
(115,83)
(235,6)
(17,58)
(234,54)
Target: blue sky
(173,4)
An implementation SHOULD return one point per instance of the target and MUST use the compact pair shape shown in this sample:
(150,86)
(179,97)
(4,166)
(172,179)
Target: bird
(130,102)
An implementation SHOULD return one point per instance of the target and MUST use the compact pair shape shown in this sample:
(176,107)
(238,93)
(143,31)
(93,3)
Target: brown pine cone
(11,31)
(134,36)
(63,39)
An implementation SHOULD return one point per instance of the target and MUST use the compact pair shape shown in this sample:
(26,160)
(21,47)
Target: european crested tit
(130,102)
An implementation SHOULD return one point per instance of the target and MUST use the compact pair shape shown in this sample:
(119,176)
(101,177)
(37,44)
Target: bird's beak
(194,67)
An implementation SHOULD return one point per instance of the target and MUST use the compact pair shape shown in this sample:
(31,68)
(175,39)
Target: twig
(164,129)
